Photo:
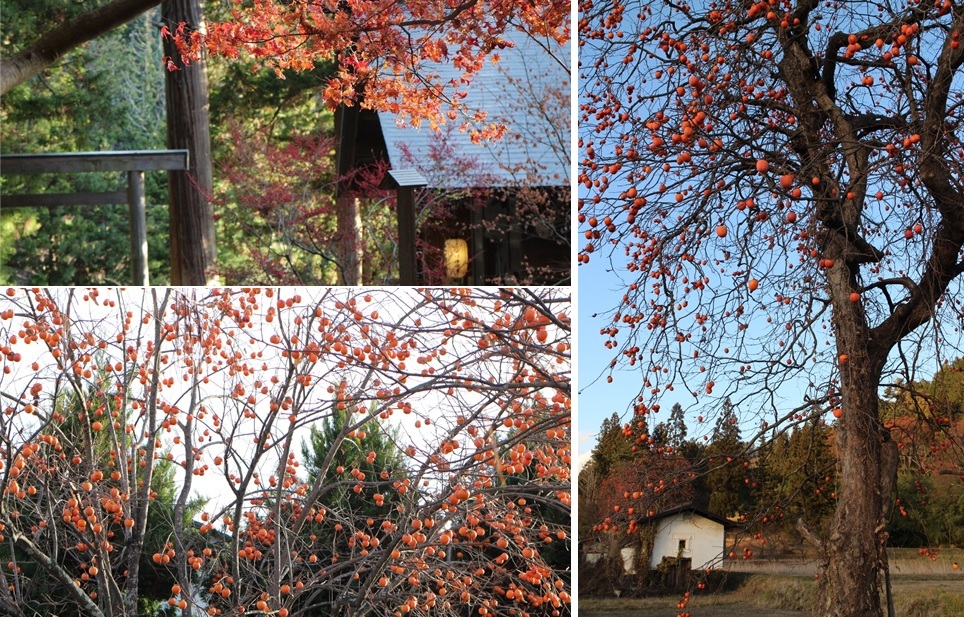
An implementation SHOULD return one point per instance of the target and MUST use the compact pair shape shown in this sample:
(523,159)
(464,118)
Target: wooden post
(351,239)
(405,182)
(478,254)
(138,216)
(406,235)
(193,246)
(134,162)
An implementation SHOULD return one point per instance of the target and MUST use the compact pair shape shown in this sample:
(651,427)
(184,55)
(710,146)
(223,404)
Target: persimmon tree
(779,187)
(467,392)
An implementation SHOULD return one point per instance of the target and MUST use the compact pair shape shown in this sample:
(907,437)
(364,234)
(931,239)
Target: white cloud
(582,459)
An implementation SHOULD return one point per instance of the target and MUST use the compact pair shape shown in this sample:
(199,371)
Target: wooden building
(501,209)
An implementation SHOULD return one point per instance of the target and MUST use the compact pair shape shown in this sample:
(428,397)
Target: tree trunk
(18,68)
(851,586)
(193,251)
(351,253)
(57,573)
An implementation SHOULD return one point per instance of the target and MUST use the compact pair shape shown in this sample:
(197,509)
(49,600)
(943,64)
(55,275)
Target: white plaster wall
(704,539)
(629,557)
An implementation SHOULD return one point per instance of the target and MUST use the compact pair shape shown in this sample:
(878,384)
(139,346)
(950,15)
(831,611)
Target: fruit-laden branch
(58,573)
(20,67)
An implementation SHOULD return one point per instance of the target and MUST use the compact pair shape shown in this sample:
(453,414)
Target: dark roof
(690,507)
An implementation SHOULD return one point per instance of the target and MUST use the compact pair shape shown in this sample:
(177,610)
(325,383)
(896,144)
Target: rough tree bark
(856,541)
(18,68)
(193,250)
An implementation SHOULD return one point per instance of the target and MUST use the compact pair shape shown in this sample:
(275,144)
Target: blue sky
(596,400)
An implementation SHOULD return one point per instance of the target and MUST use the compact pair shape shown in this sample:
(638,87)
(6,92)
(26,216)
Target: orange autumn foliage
(377,47)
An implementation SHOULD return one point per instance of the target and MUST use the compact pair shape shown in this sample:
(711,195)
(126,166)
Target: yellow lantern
(456,258)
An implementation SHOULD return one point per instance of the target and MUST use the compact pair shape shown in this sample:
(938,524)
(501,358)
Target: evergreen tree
(800,476)
(726,475)
(105,95)
(672,433)
(353,453)
(612,445)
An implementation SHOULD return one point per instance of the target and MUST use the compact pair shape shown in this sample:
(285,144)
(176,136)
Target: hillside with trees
(783,488)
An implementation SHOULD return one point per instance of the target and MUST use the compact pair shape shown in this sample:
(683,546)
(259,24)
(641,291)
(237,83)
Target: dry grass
(785,592)
(941,602)
(788,596)
(907,562)
(903,562)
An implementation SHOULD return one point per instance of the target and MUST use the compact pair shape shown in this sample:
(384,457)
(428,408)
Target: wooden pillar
(405,181)
(478,254)
(350,247)
(137,207)
(406,235)
(193,246)
(514,264)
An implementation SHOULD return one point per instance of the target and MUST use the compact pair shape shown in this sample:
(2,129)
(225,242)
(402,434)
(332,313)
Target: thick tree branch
(875,122)
(934,172)
(20,67)
(87,605)
(809,535)
(943,264)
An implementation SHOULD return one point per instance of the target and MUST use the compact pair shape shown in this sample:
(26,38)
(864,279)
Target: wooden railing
(134,162)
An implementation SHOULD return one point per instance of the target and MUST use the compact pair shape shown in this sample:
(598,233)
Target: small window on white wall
(683,544)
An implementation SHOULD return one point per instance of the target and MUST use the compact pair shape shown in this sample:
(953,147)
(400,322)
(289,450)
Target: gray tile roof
(529,91)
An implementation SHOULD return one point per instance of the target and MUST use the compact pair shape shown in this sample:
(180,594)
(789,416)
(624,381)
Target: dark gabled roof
(690,507)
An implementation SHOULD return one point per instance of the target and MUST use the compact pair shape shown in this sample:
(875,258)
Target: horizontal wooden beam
(68,162)
(62,199)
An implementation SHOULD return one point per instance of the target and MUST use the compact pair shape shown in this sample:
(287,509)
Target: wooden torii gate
(134,162)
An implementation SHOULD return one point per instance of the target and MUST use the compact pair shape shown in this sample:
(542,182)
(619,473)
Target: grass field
(774,595)
(903,562)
